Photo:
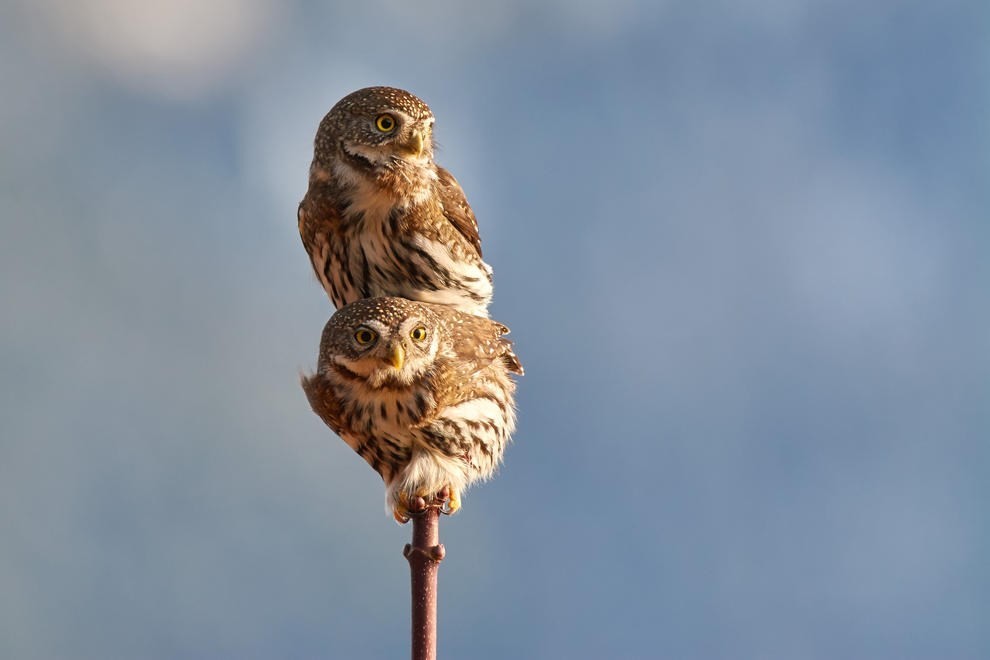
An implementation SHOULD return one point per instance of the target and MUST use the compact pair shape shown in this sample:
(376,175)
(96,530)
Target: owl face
(382,345)
(383,126)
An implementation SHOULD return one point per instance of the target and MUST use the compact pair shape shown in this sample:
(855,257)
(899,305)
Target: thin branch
(424,555)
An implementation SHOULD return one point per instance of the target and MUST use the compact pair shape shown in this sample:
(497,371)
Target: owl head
(377,127)
(383,341)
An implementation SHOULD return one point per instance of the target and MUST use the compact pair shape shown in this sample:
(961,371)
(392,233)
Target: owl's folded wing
(323,401)
(479,341)
(456,208)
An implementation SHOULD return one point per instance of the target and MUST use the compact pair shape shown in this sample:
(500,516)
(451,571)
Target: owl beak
(414,145)
(396,356)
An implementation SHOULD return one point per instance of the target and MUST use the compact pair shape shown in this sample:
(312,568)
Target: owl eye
(385,123)
(418,333)
(364,336)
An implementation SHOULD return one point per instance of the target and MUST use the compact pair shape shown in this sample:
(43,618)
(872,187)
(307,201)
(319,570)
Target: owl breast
(381,254)
(379,423)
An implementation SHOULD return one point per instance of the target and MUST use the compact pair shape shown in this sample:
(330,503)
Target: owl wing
(475,364)
(456,208)
(323,401)
(319,221)
(478,342)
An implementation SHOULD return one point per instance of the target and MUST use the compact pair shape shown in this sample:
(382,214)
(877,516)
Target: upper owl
(381,218)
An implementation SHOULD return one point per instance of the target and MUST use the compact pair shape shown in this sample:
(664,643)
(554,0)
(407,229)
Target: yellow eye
(385,123)
(364,336)
(418,333)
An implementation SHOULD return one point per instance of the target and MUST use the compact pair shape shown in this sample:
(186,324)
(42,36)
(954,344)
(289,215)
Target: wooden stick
(424,555)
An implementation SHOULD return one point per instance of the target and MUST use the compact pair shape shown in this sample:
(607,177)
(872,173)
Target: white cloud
(180,49)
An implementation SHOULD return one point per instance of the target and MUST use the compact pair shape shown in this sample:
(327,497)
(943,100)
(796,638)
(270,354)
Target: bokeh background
(743,247)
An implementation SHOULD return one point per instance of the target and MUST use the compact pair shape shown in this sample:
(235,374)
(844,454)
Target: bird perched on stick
(380,217)
(421,391)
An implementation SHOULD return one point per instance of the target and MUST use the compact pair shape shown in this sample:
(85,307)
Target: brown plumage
(421,391)
(380,217)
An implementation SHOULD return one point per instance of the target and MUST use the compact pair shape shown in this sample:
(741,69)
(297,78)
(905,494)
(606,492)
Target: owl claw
(452,504)
(447,500)
(407,506)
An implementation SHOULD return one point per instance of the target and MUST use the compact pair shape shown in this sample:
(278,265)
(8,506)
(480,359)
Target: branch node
(434,553)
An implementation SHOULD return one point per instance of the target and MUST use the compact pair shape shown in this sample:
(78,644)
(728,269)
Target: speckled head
(387,310)
(380,125)
(383,340)
(375,99)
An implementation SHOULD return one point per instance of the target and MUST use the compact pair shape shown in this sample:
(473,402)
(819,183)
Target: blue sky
(743,251)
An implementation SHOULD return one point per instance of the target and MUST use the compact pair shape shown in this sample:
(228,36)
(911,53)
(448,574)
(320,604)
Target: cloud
(181,49)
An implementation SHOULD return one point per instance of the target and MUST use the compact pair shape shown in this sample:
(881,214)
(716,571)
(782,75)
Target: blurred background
(742,246)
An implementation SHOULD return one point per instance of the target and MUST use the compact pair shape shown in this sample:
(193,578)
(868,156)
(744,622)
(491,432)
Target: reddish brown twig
(424,555)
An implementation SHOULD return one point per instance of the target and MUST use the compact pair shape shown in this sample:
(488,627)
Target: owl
(420,391)
(380,217)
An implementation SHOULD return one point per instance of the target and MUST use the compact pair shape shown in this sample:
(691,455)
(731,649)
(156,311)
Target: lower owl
(421,391)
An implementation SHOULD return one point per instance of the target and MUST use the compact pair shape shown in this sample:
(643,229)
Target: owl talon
(408,506)
(451,504)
